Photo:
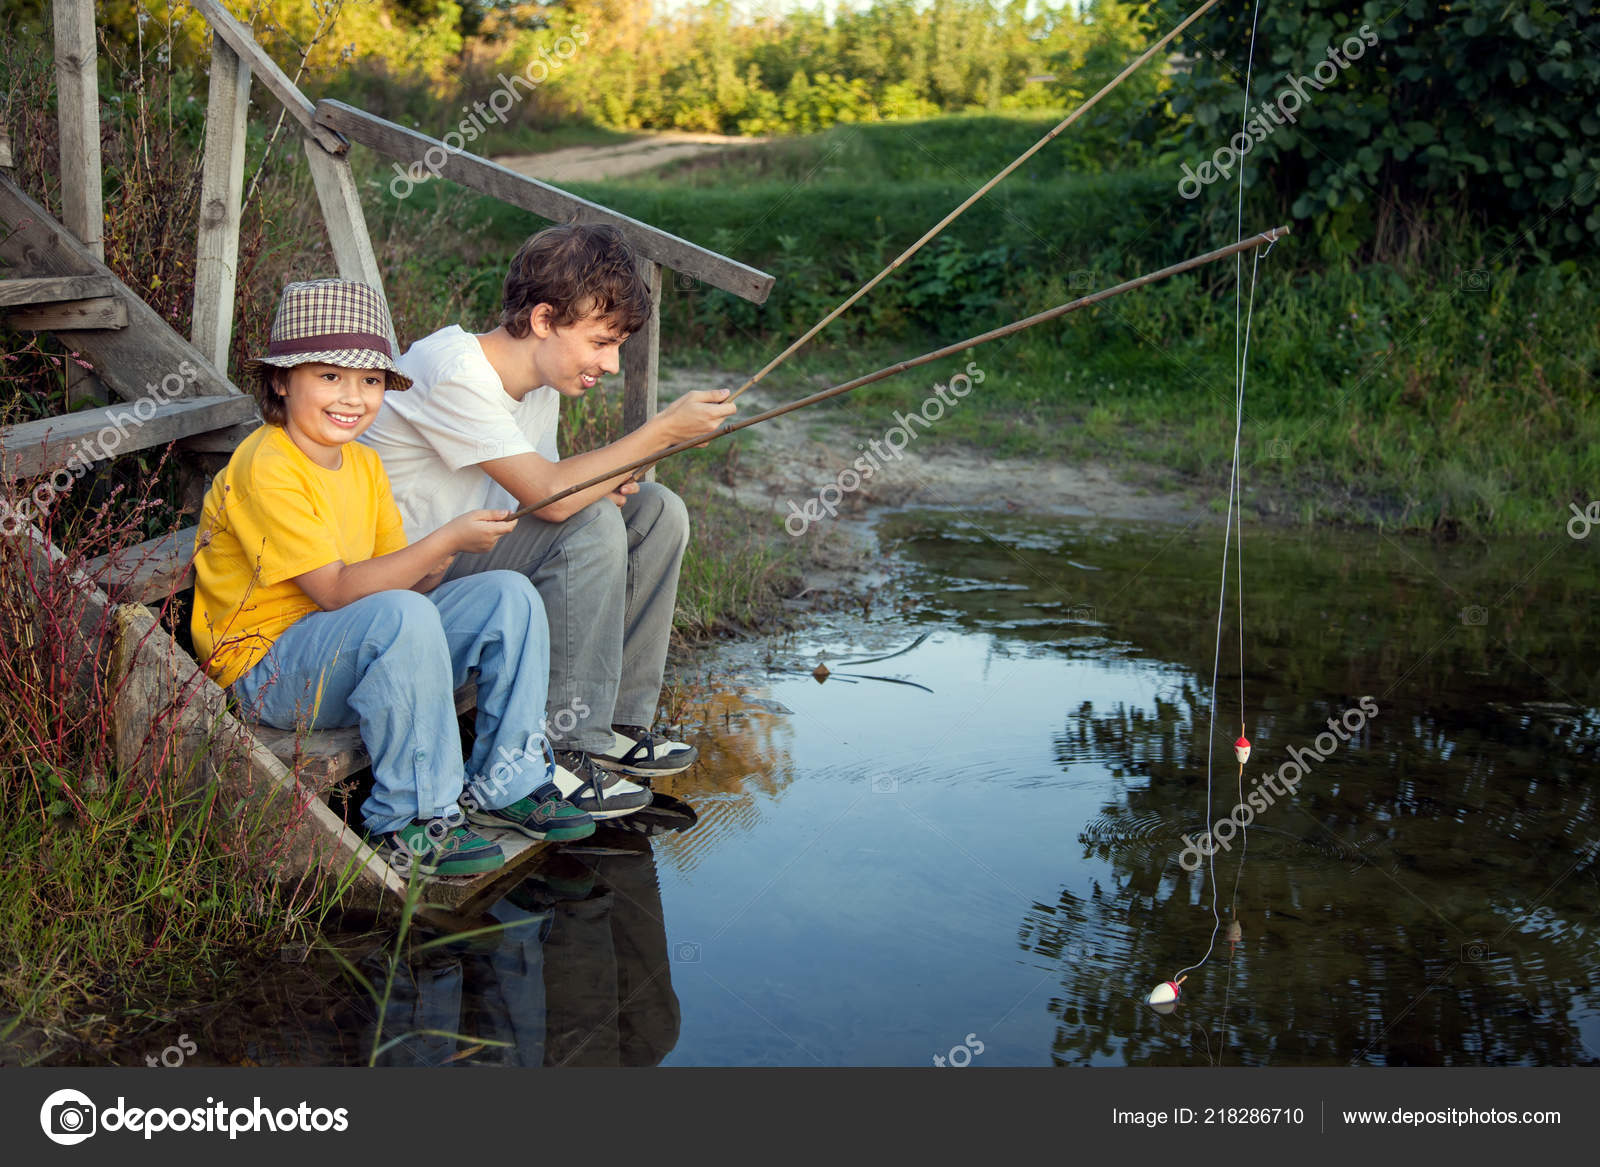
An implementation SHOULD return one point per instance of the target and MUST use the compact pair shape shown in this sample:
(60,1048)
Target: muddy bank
(785,464)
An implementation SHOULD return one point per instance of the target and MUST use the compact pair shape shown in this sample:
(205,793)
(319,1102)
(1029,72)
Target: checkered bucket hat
(330,322)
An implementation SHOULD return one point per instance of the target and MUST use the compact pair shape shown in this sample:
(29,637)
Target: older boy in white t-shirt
(477,430)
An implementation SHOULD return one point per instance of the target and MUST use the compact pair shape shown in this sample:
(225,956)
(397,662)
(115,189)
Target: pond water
(974,850)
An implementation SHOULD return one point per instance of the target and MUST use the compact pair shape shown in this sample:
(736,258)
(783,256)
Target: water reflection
(1428,896)
(578,976)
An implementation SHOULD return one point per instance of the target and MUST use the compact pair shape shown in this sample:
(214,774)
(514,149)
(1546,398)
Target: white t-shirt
(456,414)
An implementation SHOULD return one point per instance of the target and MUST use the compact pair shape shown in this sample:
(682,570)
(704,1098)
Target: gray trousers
(609,580)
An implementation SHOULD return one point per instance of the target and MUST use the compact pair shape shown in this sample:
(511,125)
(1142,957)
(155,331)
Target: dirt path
(644,153)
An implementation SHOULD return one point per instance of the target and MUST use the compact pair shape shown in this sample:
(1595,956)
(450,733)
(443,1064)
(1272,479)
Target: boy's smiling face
(572,358)
(328,406)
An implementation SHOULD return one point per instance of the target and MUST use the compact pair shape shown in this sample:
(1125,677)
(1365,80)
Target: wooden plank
(216,264)
(429,155)
(148,572)
(242,42)
(133,361)
(101,312)
(78,440)
(5,151)
(53,290)
(83,387)
(347,226)
(78,113)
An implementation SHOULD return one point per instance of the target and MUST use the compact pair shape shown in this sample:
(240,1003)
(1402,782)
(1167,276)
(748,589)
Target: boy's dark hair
(579,270)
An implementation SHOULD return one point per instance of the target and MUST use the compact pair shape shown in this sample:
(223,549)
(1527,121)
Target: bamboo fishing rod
(974,197)
(1266,237)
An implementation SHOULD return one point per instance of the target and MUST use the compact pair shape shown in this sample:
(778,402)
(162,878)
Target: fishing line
(1168,991)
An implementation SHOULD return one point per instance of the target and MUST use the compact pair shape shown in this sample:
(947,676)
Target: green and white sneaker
(438,847)
(542,815)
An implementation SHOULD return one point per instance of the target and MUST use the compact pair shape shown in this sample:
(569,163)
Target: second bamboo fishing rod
(1266,237)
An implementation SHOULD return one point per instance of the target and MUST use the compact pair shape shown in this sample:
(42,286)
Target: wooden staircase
(174,392)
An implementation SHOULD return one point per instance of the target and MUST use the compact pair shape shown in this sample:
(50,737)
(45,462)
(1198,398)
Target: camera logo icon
(67,1117)
(685,282)
(687,952)
(1475,280)
(1474,616)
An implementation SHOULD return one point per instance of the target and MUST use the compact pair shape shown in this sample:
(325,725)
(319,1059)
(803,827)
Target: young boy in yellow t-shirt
(314,612)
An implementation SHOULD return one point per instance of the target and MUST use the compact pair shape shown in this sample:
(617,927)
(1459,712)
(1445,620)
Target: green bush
(1489,105)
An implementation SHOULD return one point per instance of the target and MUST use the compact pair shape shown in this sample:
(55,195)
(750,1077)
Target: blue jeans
(391,663)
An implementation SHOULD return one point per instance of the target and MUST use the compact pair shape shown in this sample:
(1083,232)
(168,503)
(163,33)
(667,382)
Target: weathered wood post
(216,265)
(641,363)
(78,116)
(346,224)
(78,110)
(325,152)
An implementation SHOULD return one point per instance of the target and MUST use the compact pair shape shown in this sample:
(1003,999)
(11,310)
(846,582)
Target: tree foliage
(1491,105)
(709,68)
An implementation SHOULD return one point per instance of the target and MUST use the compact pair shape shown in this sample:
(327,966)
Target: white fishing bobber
(1164,994)
(1241,749)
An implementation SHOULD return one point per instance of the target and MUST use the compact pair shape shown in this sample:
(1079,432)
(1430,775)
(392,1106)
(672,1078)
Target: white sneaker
(601,794)
(644,754)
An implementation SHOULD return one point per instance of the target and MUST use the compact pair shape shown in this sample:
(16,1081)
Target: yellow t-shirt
(273,514)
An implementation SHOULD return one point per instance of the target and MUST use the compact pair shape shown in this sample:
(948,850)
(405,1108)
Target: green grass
(968,147)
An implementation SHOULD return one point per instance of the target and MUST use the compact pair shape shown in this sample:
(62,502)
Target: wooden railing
(58,280)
